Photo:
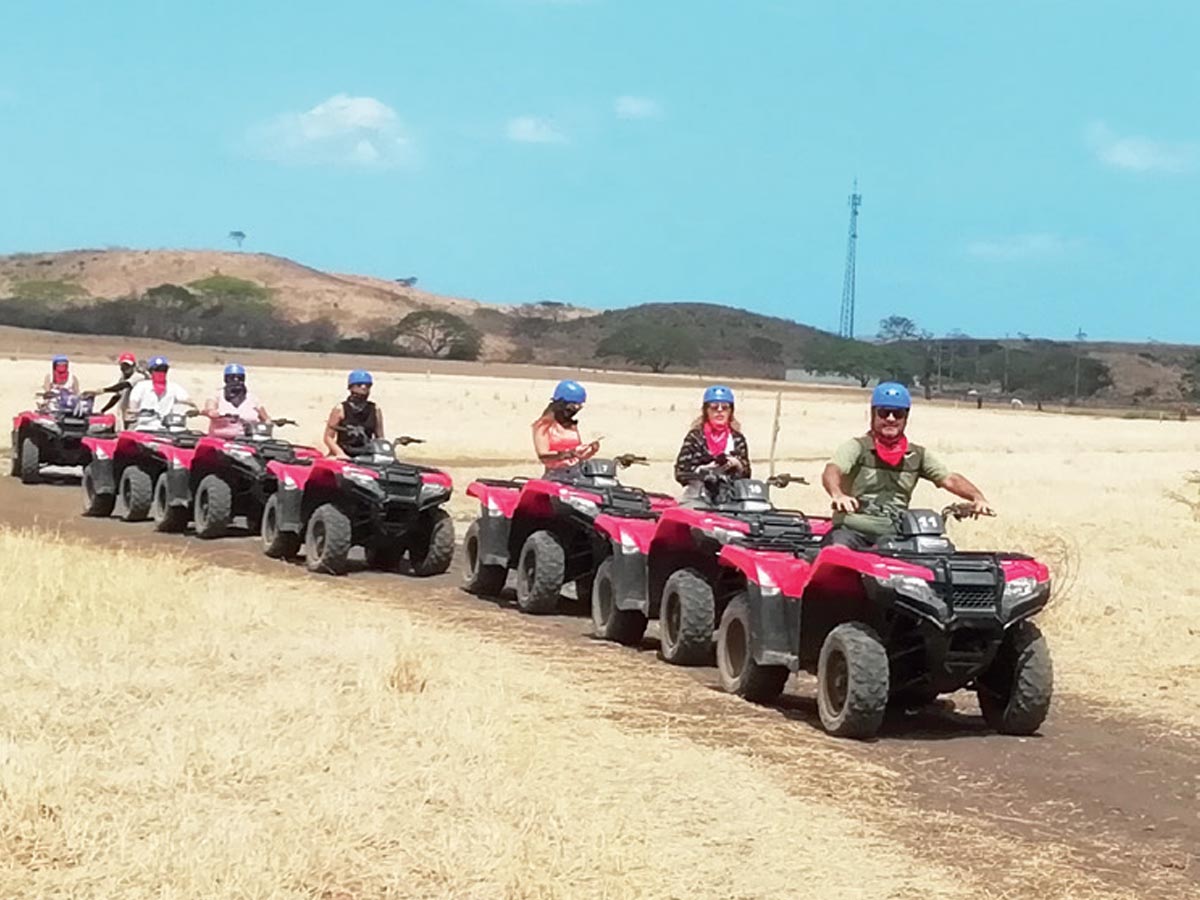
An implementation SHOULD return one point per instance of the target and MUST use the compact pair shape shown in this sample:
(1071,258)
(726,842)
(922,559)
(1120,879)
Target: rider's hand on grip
(845,504)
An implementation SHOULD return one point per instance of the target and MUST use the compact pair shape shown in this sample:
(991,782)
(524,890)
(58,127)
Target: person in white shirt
(150,401)
(234,407)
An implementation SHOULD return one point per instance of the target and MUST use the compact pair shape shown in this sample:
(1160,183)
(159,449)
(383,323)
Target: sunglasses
(898,414)
(720,407)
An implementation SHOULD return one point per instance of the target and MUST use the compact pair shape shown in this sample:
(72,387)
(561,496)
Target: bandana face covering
(235,392)
(60,374)
(716,438)
(891,452)
(159,380)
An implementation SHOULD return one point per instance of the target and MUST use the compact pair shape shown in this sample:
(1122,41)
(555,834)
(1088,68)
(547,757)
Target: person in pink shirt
(229,412)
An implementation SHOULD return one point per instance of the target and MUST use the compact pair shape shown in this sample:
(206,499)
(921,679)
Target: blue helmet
(569,392)
(891,395)
(359,376)
(59,359)
(158,362)
(719,393)
(235,369)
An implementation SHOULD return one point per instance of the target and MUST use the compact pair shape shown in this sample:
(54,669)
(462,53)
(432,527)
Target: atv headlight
(365,481)
(1020,589)
(431,491)
(726,535)
(910,586)
(176,462)
(97,427)
(581,504)
(242,453)
(98,453)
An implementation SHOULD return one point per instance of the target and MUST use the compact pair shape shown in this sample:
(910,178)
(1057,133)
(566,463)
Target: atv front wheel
(167,518)
(213,507)
(327,541)
(31,462)
(432,547)
(540,573)
(275,543)
(1015,692)
(738,671)
(95,504)
(685,621)
(852,681)
(484,580)
(624,626)
(137,494)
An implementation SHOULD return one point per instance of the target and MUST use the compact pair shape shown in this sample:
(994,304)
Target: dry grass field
(1089,495)
(179,731)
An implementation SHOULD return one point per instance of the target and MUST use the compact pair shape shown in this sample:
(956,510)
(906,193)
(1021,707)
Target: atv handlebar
(960,511)
(625,460)
(783,480)
(404,440)
(280,422)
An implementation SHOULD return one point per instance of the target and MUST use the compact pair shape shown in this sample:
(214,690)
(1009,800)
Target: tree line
(233,312)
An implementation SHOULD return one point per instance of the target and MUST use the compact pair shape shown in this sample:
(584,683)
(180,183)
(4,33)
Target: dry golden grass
(177,731)
(1088,494)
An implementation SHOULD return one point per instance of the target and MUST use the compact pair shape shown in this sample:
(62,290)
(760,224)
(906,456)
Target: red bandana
(159,380)
(716,438)
(891,453)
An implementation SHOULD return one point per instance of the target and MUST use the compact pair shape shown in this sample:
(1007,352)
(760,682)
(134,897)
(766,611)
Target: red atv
(390,508)
(56,435)
(149,471)
(229,476)
(904,621)
(684,585)
(561,527)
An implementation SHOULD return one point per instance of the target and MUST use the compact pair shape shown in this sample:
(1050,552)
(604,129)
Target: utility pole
(846,325)
(1080,336)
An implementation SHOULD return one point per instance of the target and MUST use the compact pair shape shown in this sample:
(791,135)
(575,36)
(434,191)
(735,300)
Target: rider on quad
(59,380)
(151,400)
(556,437)
(872,477)
(131,375)
(356,421)
(714,443)
(235,407)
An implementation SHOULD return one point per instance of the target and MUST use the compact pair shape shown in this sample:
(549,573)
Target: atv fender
(179,486)
(103,476)
(774,585)
(291,481)
(630,542)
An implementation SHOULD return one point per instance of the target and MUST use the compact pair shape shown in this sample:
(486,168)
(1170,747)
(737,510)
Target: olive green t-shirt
(882,489)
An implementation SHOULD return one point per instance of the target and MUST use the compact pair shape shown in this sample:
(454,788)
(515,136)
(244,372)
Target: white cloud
(343,130)
(632,107)
(1141,154)
(1037,245)
(532,130)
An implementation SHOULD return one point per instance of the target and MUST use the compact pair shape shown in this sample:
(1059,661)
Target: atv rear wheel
(540,573)
(31,462)
(685,620)
(1015,692)
(852,681)
(625,626)
(738,671)
(275,543)
(137,494)
(213,508)
(327,540)
(167,518)
(484,580)
(95,504)
(431,549)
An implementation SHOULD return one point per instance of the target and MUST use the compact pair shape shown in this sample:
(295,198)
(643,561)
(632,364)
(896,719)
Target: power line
(846,326)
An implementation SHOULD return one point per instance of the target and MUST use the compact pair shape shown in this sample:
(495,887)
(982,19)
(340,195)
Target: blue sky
(1025,167)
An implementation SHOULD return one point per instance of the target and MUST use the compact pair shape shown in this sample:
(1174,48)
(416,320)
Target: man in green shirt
(871,478)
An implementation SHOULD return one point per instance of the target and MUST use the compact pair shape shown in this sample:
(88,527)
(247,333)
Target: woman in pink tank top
(229,412)
(556,437)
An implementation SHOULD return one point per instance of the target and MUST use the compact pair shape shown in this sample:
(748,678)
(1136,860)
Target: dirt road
(1119,799)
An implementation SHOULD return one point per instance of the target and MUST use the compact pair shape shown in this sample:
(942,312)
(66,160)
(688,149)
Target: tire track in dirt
(1111,799)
